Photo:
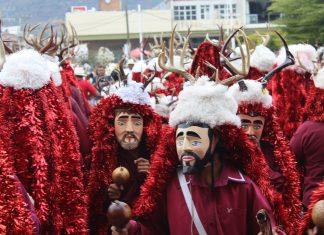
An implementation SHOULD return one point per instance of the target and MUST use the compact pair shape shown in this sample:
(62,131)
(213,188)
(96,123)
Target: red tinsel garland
(105,150)
(284,158)
(307,223)
(68,80)
(314,108)
(205,52)
(15,218)
(289,92)
(174,81)
(47,157)
(239,151)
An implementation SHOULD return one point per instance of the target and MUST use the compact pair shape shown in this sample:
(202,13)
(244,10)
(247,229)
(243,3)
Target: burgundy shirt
(229,209)
(308,145)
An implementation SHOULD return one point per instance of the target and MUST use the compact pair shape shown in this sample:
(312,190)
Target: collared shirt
(228,209)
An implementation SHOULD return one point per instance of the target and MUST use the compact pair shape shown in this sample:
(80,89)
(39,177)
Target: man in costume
(124,131)
(42,142)
(308,141)
(257,117)
(289,87)
(211,188)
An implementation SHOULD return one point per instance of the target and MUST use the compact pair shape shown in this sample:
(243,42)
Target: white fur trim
(205,103)
(319,79)
(262,58)
(139,67)
(253,95)
(25,69)
(53,65)
(154,62)
(306,54)
(133,93)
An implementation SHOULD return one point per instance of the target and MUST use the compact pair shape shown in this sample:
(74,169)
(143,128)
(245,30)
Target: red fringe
(105,150)
(307,223)
(289,92)
(15,218)
(314,108)
(46,156)
(68,80)
(284,158)
(174,81)
(239,151)
(205,52)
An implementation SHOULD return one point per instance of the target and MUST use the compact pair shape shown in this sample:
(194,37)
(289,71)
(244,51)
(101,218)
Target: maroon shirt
(229,209)
(308,145)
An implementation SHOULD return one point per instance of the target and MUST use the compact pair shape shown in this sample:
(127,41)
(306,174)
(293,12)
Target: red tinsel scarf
(15,218)
(239,151)
(307,223)
(105,150)
(283,156)
(46,156)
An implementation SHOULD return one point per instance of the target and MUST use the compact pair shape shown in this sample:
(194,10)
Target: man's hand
(273,233)
(312,231)
(114,191)
(142,165)
(116,231)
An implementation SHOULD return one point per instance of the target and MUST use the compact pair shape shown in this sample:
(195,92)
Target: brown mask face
(195,145)
(253,126)
(128,129)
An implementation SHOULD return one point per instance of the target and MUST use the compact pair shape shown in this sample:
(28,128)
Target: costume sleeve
(296,144)
(258,202)
(155,224)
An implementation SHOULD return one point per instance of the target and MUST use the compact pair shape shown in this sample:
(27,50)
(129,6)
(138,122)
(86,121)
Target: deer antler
(290,60)
(245,60)
(214,77)
(265,38)
(149,79)
(171,68)
(238,74)
(122,76)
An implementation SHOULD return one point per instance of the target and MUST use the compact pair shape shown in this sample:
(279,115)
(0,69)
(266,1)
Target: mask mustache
(129,135)
(189,154)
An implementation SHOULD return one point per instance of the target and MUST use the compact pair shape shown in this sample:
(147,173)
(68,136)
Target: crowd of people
(207,140)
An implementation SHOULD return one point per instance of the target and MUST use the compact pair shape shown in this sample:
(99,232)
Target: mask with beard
(194,147)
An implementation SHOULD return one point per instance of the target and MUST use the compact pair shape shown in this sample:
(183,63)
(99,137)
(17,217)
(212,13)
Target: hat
(130,61)
(205,102)
(253,93)
(319,79)
(133,93)
(79,71)
(32,72)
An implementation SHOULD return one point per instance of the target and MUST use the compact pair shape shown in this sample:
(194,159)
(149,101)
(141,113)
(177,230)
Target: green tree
(302,20)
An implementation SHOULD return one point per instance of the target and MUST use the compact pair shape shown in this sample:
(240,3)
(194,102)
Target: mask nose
(129,126)
(186,145)
(250,130)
